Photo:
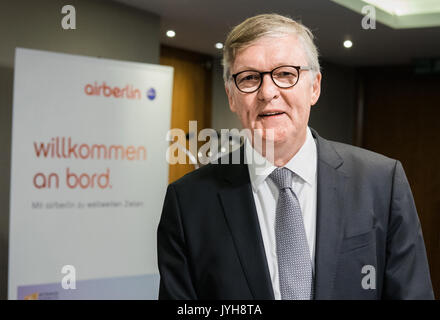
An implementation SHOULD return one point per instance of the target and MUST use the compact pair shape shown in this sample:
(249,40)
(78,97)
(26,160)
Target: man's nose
(268,89)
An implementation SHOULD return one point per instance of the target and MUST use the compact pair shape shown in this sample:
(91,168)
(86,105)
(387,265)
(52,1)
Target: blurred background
(380,90)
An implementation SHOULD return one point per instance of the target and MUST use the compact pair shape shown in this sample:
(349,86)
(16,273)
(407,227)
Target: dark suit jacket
(210,245)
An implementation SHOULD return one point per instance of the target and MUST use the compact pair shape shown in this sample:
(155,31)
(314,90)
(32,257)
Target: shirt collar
(303,163)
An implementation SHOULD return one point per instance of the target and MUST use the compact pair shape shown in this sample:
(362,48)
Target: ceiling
(406,7)
(199,24)
(399,14)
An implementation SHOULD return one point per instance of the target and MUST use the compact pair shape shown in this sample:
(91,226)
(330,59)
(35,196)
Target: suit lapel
(241,216)
(330,217)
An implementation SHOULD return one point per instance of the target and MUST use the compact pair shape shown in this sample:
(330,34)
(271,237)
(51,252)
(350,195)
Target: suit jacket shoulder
(356,159)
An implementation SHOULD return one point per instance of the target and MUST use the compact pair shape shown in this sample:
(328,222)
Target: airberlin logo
(127,92)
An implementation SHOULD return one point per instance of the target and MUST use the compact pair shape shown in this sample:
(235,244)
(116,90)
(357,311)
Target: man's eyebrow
(246,68)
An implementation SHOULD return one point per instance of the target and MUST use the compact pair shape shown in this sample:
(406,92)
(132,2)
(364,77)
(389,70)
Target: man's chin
(272,135)
(269,137)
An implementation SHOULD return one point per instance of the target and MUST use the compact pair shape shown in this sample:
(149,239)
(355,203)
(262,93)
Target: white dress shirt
(304,165)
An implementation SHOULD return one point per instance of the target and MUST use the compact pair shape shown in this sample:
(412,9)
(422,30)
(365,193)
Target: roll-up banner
(88,176)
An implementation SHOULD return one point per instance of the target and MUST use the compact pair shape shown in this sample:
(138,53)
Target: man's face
(292,105)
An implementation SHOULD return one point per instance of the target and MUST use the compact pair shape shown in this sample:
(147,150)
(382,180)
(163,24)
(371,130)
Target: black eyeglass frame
(298,69)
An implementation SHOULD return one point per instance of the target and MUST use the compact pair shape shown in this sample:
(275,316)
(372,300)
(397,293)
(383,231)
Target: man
(318,220)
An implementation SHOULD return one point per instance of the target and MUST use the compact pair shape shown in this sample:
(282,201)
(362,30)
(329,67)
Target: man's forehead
(271,51)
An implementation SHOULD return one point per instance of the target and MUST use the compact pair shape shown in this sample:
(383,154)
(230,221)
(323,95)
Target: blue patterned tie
(294,263)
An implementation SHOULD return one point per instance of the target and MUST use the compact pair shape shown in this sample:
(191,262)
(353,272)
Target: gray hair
(275,25)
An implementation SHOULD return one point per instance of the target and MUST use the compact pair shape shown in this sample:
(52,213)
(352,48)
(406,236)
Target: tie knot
(282,177)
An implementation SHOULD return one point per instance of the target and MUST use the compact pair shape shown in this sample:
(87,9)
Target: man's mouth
(270,114)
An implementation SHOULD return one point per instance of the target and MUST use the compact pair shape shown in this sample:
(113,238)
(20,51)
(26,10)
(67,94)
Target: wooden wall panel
(402,121)
(192,91)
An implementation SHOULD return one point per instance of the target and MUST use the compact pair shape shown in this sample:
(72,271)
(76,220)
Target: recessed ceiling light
(219,45)
(348,44)
(171,34)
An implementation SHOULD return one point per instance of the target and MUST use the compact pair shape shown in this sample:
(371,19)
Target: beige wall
(104,29)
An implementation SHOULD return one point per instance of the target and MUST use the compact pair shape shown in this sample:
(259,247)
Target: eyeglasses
(249,81)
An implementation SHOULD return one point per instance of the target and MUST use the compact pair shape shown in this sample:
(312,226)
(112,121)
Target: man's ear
(316,88)
(230,98)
